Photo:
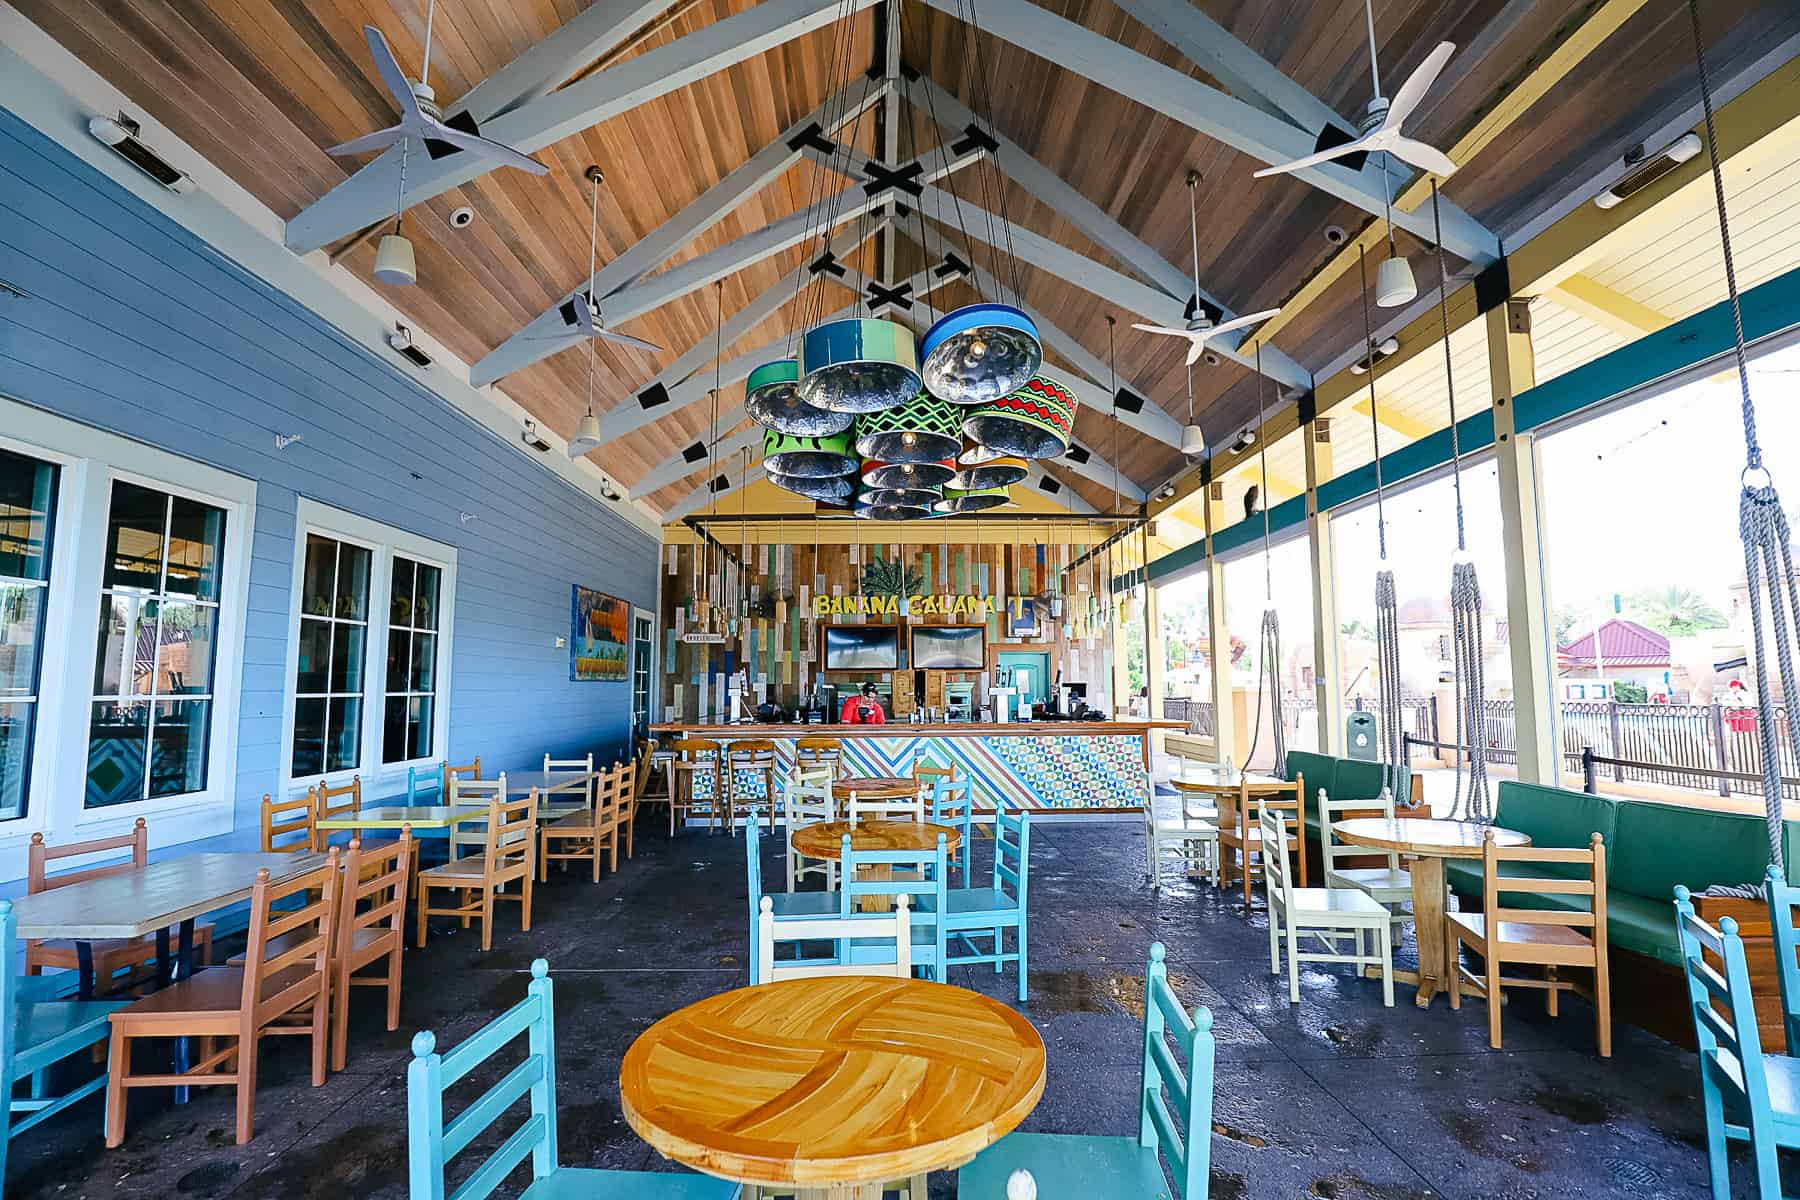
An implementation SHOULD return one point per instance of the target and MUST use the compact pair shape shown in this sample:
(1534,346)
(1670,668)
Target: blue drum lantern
(836,489)
(859,366)
(980,352)
(772,398)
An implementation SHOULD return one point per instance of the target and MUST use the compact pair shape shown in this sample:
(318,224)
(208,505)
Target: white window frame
(651,685)
(414,630)
(383,542)
(90,460)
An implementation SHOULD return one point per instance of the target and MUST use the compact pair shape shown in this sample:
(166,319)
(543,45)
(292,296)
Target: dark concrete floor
(1336,1097)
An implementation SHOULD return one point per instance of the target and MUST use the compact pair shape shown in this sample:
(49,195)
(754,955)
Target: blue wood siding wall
(137,327)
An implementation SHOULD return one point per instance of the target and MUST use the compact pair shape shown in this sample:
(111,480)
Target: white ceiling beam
(1046,484)
(682,463)
(1207,110)
(890,125)
(716,486)
(538,339)
(551,62)
(369,195)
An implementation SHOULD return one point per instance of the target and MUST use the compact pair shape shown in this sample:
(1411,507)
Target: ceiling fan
(581,312)
(1381,126)
(420,116)
(1200,327)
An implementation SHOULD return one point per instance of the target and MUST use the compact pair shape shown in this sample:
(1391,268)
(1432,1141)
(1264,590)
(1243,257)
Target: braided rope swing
(1467,655)
(1768,553)
(1269,641)
(1388,731)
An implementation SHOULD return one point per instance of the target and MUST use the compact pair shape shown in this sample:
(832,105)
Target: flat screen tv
(862,647)
(948,647)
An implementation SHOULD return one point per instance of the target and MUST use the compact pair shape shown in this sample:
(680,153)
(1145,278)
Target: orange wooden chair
(508,854)
(469,770)
(371,926)
(135,956)
(282,988)
(698,762)
(288,825)
(334,800)
(575,837)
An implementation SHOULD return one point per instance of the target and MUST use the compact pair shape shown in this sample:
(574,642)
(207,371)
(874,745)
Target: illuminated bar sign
(949,604)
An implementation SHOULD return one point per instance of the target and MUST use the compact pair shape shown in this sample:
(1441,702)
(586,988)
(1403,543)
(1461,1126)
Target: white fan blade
(625,339)
(1161,329)
(486,147)
(584,315)
(1313,160)
(1195,350)
(1237,323)
(381,139)
(1423,155)
(391,75)
(1417,84)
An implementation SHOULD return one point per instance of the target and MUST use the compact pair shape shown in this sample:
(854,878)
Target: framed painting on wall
(1022,618)
(598,637)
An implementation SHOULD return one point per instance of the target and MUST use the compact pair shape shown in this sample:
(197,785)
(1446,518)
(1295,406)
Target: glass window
(1185,609)
(329,674)
(151,719)
(412,657)
(1248,593)
(27,502)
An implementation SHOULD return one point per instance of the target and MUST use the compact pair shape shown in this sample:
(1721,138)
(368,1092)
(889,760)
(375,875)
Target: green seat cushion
(1557,818)
(1661,845)
(1643,925)
(1359,780)
(1067,1167)
(1316,769)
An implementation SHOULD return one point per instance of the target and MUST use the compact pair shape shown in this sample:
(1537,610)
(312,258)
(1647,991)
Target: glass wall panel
(1250,588)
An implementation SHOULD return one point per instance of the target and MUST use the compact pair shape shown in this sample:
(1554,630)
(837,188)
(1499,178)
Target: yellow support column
(1511,371)
(1218,633)
(1326,676)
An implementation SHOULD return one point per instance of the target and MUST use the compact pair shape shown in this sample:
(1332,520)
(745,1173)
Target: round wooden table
(873,786)
(1428,842)
(825,839)
(832,1086)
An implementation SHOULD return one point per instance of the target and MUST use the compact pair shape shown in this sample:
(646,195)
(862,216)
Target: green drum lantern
(1036,421)
(959,500)
(924,430)
(832,489)
(859,366)
(807,457)
(995,473)
(772,398)
(905,475)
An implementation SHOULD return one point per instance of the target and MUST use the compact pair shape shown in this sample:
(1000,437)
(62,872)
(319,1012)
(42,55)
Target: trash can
(1359,737)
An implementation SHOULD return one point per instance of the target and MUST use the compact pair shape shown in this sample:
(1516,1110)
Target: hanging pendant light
(394,260)
(905,497)
(925,429)
(834,489)
(772,398)
(892,512)
(901,475)
(981,352)
(996,473)
(807,457)
(1036,420)
(1394,282)
(859,365)
(974,454)
(963,500)
(587,433)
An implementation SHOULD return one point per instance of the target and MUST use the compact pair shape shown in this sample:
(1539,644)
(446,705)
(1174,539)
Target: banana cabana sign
(947,605)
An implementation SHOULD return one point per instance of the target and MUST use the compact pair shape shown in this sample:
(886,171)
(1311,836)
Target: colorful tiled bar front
(1061,766)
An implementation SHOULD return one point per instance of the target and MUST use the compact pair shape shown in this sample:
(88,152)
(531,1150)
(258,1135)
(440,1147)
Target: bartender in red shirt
(863,709)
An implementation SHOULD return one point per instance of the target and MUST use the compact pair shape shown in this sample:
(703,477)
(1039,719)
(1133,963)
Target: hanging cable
(1389,734)
(1763,526)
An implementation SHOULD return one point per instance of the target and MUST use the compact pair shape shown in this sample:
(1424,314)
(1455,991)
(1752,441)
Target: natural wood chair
(509,851)
(289,825)
(698,763)
(578,836)
(753,758)
(335,800)
(469,770)
(1240,835)
(1548,937)
(814,751)
(134,956)
(282,988)
(371,926)
(651,757)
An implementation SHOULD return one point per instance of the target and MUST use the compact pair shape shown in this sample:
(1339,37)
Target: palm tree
(1676,611)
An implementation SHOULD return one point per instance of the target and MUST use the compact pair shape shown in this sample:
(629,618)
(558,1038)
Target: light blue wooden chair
(953,803)
(431,1141)
(1748,1096)
(972,912)
(36,1032)
(424,787)
(916,874)
(785,905)
(1072,1166)
(1782,899)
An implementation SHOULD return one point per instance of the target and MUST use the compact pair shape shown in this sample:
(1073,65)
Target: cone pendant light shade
(958,500)
(808,457)
(925,429)
(833,490)
(772,398)
(1394,283)
(876,475)
(859,366)
(394,261)
(1193,441)
(981,352)
(999,473)
(587,436)
(1033,421)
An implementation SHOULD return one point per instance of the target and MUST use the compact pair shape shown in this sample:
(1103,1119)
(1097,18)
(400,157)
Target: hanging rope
(1388,731)
(1269,639)
(1467,654)
(1768,547)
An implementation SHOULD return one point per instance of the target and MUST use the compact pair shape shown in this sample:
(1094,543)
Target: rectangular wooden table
(419,816)
(520,783)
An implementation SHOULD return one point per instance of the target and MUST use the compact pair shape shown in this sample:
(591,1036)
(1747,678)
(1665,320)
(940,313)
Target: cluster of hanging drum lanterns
(860,420)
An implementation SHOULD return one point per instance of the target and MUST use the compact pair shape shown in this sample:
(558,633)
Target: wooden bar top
(929,729)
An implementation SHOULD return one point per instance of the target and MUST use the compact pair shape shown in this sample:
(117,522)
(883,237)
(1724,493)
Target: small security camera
(401,339)
(532,438)
(461,217)
(1211,358)
(1336,235)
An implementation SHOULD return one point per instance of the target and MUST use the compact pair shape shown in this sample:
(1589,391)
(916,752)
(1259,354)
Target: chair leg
(423,901)
(1453,971)
(246,1089)
(118,1069)
(395,961)
(1274,940)
(487,919)
(340,1015)
(1387,964)
(1552,1003)
(525,906)
(1717,1164)
(321,1032)
(1293,965)
(1602,1005)
(1492,965)
(543,871)
(1021,935)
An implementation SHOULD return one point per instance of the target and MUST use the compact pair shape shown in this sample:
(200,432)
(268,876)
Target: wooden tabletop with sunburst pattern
(816,1082)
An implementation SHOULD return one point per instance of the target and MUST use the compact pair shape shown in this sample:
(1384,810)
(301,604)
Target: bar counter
(1090,766)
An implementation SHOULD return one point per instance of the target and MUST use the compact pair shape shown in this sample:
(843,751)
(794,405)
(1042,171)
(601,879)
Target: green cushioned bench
(1342,779)
(1650,847)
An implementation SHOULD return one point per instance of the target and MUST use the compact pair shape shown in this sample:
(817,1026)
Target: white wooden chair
(1390,884)
(583,765)
(895,926)
(806,800)
(885,807)
(473,793)
(1333,915)
(1191,837)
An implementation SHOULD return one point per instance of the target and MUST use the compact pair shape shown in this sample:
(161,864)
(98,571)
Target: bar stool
(811,751)
(696,788)
(659,757)
(752,757)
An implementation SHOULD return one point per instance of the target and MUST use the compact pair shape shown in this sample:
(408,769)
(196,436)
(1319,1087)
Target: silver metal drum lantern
(1034,421)
(924,430)
(996,473)
(859,366)
(807,457)
(892,512)
(905,497)
(980,353)
(906,475)
(833,489)
(958,500)
(772,398)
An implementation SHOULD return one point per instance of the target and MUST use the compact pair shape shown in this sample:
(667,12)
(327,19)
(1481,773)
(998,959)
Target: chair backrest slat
(1782,899)
(468,771)
(471,793)
(1332,811)
(1012,853)
(895,925)
(1724,1013)
(317,893)
(287,825)
(374,888)
(1274,850)
(885,806)
(424,786)
(1185,1143)
(41,854)
(1495,884)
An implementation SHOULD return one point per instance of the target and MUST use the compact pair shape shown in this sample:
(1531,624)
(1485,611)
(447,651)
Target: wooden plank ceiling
(261,86)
